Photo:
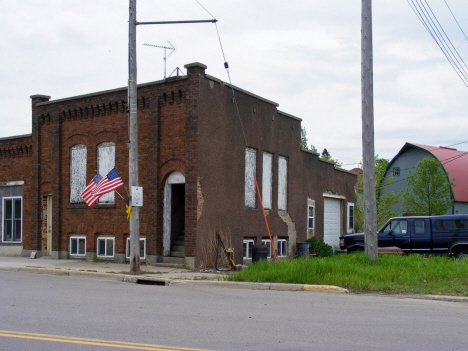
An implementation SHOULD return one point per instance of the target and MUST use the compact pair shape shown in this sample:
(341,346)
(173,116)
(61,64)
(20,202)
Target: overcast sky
(304,55)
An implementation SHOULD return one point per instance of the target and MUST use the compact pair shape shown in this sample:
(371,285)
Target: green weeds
(412,274)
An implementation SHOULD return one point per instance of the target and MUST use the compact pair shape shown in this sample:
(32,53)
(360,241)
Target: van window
(451,224)
(419,226)
(399,226)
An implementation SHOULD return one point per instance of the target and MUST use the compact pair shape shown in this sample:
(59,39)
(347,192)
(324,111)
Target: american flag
(110,182)
(87,194)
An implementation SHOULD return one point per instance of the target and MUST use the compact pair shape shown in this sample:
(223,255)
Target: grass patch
(412,274)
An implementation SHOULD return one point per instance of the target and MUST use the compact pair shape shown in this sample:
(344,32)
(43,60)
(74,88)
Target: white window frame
(247,247)
(396,171)
(106,239)
(127,249)
(350,228)
(250,172)
(78,163)
(282,183)
(12,198)
(106,162)
(309,217)
(267,180)
(77,238)
(282,248)
(267,242)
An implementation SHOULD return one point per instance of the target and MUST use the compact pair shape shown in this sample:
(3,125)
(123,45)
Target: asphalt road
(176,317)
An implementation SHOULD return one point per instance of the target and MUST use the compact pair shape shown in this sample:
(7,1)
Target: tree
(429,190)
(384,203)
(325,154)
(304,139)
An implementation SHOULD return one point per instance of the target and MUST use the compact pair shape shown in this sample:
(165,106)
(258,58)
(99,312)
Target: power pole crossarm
(368,161)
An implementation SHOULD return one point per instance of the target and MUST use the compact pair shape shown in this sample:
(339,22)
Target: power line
(226,66)
(429,20)
(455,20)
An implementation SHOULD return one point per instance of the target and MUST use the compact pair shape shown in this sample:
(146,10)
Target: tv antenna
(170,47)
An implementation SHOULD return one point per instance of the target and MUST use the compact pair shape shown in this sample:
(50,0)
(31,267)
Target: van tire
(462,254)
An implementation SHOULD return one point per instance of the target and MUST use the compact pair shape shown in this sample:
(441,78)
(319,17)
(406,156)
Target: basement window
(78,246)
(247,248)
(142,248)
(282,248)
(267,242)
(105,247)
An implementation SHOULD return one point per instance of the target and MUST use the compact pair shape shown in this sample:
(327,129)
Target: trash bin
(302,250)
(259,253)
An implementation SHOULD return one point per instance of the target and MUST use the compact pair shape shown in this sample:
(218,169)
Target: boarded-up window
(77,172)
(106,161)
(267,180)
(250,169)
(282,183)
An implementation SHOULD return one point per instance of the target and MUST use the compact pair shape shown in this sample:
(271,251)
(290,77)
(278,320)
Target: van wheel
(462,254)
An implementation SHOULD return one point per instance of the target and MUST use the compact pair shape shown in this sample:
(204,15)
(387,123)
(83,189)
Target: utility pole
(368,158)
(133,136)
(133,129)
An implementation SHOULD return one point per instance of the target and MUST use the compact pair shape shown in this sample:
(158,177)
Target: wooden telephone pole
(133,129)
(133,135)
(368,158)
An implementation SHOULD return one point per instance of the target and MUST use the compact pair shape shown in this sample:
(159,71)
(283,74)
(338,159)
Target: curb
(151,280)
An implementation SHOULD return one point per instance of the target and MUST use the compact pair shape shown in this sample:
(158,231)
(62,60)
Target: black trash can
(302,250)
(259,253)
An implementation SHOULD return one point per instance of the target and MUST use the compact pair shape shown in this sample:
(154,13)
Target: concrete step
(177,254)
(178,243)
(178,248)
(173,260)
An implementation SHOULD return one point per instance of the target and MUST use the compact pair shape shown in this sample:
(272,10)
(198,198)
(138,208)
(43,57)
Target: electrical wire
(226,66)
(456,20)
(427,17)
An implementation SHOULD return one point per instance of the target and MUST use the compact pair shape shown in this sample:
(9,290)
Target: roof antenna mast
(170,47)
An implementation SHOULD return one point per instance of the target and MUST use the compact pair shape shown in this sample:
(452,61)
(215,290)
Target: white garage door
(331,223)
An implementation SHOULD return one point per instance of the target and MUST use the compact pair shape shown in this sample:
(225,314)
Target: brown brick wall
(15,165)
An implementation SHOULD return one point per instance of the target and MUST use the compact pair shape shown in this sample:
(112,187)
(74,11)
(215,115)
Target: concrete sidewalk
(155,275)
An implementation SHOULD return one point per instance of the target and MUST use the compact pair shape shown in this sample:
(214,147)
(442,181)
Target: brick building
(197,158)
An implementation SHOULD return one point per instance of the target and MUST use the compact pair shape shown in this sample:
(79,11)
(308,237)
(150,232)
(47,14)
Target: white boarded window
(106,161)
(77,172)
(267,180)
(250,169)
(282,183)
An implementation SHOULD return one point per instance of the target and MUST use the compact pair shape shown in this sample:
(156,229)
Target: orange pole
(266,222)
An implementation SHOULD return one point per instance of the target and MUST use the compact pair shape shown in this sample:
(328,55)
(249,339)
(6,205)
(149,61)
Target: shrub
(319,248)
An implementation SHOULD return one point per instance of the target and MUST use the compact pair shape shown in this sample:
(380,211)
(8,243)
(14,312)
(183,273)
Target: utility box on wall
(137,196)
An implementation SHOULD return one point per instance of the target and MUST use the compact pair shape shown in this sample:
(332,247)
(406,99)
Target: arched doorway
(174,215)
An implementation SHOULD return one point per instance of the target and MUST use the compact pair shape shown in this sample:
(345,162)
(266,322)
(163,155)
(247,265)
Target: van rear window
(451,224)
